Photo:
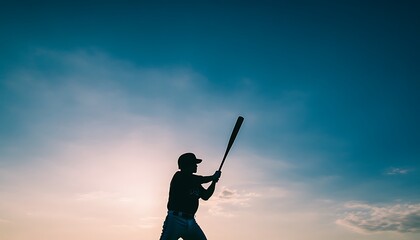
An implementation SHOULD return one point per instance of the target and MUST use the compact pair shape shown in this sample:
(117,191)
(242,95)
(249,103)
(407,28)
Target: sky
(99,98)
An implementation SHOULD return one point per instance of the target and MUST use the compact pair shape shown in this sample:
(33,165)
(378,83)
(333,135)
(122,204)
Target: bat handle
(223,161)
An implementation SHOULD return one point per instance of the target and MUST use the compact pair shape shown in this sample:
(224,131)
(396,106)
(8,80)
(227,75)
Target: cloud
(232,202)
(236,197)
(366,218)
(229,201)
(96,81)
(227,194)
(55,96)
(5,221)
(397,171)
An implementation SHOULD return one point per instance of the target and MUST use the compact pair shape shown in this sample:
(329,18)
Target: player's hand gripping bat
(232,139)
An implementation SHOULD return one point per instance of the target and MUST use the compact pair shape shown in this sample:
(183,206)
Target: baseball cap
(187,159)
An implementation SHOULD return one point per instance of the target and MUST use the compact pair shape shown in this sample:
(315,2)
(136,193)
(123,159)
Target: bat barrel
(232,138)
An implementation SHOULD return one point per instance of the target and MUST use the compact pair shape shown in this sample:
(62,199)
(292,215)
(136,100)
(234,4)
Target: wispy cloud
(84,93)
(4,221)
(367,218)
(229,201)
(397,171)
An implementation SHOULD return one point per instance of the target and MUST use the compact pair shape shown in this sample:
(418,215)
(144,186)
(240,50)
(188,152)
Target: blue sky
(94,93)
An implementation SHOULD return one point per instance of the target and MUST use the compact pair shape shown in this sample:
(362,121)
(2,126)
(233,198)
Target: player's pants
(176,227)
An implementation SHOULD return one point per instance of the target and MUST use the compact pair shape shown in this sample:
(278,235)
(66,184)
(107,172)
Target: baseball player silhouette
(184,194)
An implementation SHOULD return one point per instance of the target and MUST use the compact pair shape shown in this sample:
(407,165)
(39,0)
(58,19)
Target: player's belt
(181,214)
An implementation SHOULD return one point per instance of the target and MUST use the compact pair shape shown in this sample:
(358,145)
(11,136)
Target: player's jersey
(184,193)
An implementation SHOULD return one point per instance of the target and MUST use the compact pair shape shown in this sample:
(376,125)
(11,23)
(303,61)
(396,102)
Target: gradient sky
(99,98)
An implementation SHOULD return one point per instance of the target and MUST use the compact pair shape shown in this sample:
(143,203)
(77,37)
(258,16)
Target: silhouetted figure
(184,194)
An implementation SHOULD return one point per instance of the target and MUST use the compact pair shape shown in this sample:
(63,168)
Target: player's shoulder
(178,174)
(183,175)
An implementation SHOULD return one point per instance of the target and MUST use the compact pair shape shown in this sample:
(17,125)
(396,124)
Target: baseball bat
(232,138)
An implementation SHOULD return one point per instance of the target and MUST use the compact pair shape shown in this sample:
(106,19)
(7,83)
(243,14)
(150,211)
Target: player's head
(188,162)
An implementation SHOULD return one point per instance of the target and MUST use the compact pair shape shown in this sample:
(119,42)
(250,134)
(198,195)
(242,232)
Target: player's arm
(207,179)
(207,193)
